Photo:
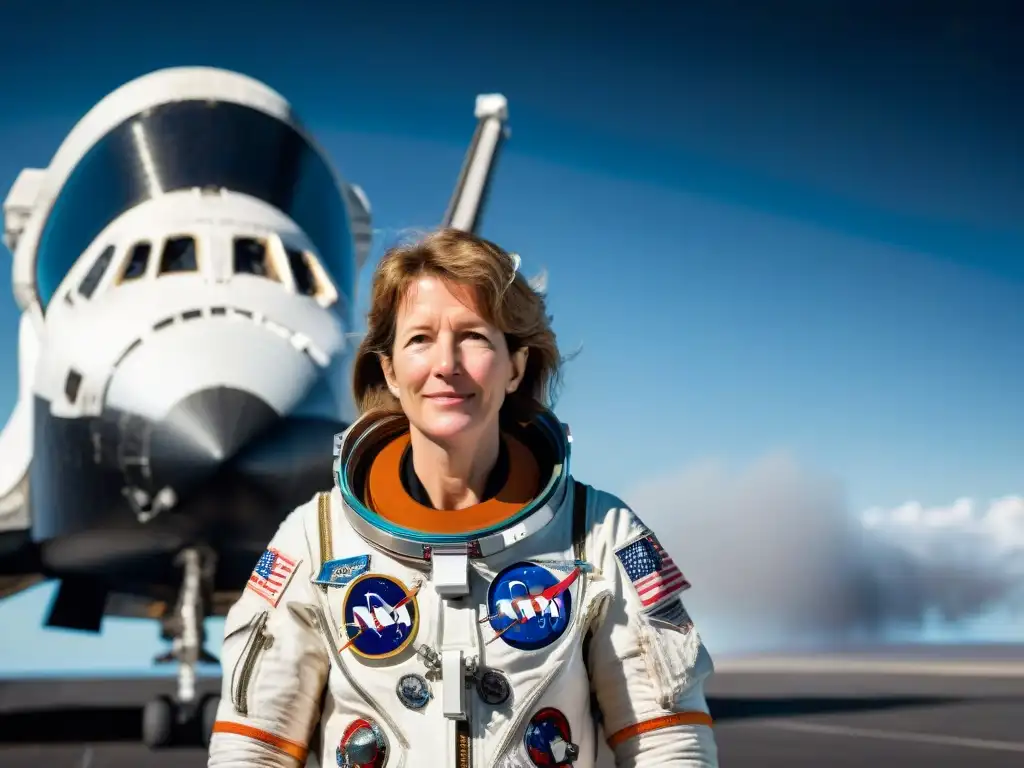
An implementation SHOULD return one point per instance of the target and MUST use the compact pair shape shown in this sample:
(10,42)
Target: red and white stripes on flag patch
(271,575)
(652,571)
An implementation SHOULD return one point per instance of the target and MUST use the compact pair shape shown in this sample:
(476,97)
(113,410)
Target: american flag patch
(271,575)
(651,570)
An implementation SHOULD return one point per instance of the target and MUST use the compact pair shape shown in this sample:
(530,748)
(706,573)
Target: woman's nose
(446,360)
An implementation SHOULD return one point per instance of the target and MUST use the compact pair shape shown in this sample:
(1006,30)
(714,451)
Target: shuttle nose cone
(204,430)
(160,461)
(210,426)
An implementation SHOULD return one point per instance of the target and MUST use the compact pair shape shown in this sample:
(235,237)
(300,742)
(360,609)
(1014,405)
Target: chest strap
(323,502)
(579,520)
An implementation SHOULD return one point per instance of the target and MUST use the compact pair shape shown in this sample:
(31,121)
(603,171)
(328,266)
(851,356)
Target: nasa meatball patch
(528,606)
(381,616)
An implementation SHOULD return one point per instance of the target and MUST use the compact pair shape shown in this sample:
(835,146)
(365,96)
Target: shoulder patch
(674,613)
(272,573)
(650,569)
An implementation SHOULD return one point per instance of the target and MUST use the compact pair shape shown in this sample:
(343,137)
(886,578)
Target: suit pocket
(675,657)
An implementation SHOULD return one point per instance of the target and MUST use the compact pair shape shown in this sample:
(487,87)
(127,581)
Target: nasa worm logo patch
(529,607)
(381,616)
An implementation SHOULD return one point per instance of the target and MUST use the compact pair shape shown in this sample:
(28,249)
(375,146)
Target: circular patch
(381,616)
(413,691)
(493,687)
(362,745)
(548,739)
(528,606)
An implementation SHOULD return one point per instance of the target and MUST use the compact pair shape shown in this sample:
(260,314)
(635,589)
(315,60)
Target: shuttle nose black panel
(206,429)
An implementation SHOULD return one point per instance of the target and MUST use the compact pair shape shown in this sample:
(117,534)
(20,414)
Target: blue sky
(786,237)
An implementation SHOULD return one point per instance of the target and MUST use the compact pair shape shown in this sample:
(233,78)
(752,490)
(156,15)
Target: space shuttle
(185,267)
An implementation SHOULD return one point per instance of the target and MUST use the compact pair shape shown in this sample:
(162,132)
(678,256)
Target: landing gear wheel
(158,722)
(207,717)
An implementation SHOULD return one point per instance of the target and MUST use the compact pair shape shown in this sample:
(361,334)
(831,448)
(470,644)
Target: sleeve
(647,662)
(274,662)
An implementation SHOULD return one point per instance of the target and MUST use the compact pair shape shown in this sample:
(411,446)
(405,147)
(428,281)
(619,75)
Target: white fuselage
(184,265)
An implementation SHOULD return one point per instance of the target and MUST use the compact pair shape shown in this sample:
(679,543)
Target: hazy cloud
(778,560)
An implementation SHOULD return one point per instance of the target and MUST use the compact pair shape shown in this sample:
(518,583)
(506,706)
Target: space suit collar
(356,448)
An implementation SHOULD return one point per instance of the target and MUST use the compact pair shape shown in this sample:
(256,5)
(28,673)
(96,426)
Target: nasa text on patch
(381,616)
(650,569)
(271,575)
(528,607)
(338,573)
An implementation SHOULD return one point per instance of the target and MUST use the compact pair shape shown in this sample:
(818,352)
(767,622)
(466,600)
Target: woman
(457,599)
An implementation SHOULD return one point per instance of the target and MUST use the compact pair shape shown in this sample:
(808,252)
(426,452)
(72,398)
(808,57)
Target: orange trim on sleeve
(290,748)
(657,723)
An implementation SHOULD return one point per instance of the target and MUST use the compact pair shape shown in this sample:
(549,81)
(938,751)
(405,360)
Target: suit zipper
(259,640)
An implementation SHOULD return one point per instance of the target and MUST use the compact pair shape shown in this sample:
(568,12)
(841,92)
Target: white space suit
(367,642)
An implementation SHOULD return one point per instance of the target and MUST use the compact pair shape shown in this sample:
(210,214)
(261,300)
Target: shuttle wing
(16,437)
(18,564)
(15,455)
(161,607)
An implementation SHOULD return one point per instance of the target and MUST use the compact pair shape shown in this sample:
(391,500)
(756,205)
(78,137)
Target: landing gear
(167,721)
(158,722)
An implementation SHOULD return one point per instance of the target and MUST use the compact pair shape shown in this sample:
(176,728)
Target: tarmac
(843,712)
(836,711)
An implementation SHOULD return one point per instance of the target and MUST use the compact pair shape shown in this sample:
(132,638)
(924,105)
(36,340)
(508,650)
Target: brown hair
(505,300)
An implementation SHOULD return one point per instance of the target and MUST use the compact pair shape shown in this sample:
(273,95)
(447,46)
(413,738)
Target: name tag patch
(338,573)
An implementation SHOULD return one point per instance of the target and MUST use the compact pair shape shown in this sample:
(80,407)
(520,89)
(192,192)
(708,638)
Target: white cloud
(1000,524)
(960,561)
(777,560)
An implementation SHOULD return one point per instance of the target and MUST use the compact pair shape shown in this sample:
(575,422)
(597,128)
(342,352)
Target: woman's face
(449,368)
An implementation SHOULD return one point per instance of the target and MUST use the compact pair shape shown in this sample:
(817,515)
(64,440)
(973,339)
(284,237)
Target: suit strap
(323,502)
(579,520)
(579,546)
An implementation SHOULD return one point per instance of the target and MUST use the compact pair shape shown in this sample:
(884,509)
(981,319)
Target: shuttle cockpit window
(252,257)
(138,261)
(305,280)
(309,276)
(179,255)
(92,278)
